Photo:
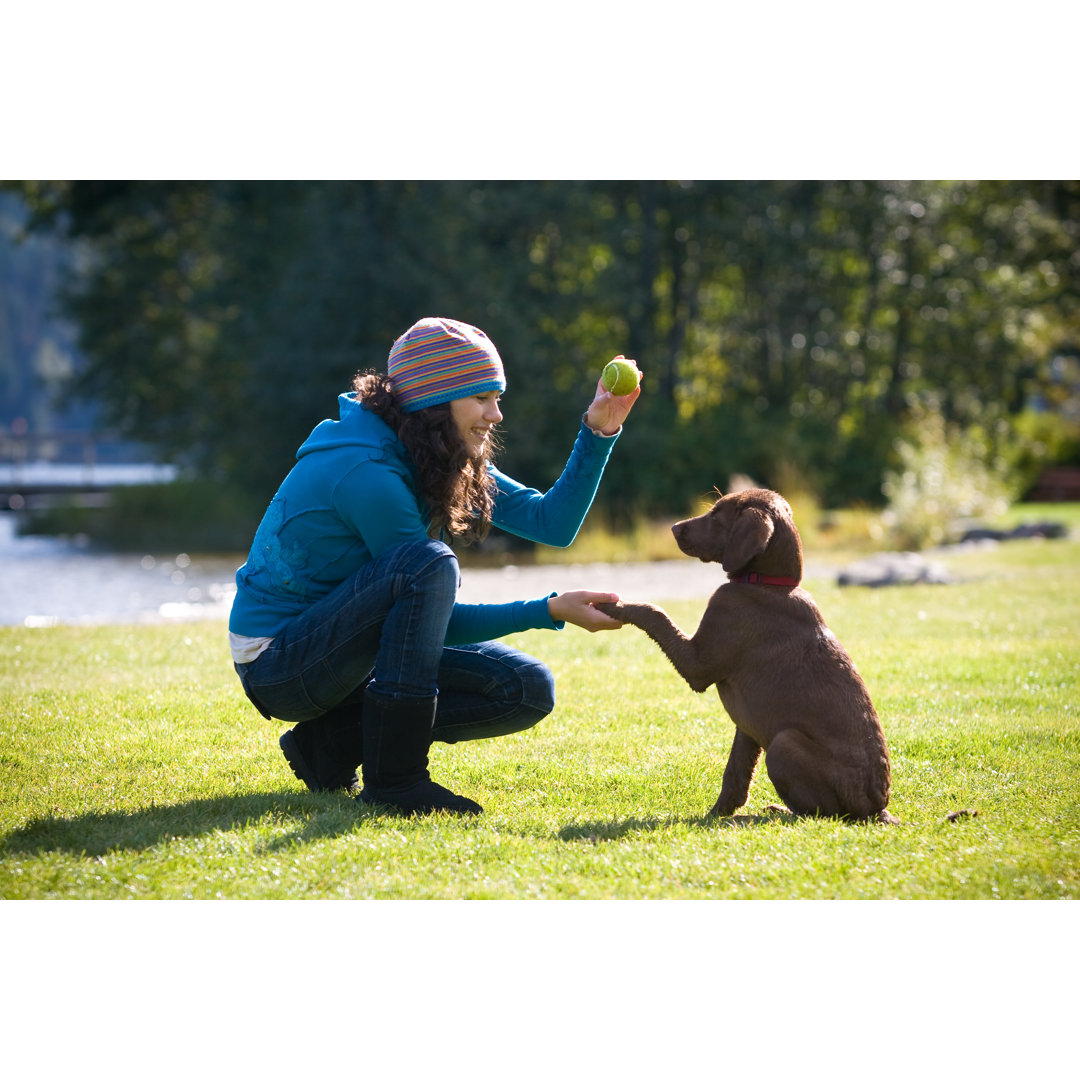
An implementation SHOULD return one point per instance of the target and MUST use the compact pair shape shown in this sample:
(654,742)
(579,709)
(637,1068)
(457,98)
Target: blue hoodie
(352,495)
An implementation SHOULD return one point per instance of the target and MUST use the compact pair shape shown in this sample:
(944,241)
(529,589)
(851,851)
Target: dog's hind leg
(799,770)
(813,781)
(739,772)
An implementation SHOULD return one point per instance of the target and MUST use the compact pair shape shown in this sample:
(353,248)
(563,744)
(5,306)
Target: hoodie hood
(357,427)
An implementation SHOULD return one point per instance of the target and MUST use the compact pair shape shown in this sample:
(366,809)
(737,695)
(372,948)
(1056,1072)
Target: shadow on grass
(596,832)
(315,817)
(307,817)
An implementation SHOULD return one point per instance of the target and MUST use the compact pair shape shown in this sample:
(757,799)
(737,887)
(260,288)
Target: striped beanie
(437,360)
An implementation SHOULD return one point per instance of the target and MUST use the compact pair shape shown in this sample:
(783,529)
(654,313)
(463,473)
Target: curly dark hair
(455,485)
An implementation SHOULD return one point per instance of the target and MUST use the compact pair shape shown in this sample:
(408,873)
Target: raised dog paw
(640,615)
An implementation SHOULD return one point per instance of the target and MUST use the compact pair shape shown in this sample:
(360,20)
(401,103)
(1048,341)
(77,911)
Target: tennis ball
(621,377)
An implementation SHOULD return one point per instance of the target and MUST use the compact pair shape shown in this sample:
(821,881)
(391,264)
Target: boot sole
(466,807)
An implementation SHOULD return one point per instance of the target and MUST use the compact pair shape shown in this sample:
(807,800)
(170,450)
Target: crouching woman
(346,622)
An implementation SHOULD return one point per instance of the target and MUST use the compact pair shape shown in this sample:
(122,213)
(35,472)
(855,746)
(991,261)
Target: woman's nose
(492,413)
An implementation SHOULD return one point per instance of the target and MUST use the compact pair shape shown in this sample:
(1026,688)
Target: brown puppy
(783,678)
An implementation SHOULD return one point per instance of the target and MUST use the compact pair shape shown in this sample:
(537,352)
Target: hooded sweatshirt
(352,494)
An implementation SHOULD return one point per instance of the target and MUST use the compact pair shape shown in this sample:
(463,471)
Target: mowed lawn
(131,766)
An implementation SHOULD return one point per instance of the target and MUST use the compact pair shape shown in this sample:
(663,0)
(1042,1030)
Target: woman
(345,621)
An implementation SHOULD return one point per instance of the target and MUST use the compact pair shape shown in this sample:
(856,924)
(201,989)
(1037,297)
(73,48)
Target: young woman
(345,621)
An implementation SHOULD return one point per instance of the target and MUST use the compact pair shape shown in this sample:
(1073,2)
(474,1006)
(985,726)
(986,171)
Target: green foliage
(779,323)
(132,766)
(1039,439)
(946,478)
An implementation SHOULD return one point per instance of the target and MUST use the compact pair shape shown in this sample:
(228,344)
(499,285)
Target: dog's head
(750,530)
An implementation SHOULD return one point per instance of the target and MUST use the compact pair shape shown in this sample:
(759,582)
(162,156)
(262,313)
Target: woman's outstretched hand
(607,412)
(577,608)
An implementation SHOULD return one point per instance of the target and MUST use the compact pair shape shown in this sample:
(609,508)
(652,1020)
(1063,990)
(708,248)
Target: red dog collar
(763,579)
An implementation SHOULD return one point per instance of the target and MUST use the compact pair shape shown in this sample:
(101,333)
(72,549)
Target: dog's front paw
(627,613)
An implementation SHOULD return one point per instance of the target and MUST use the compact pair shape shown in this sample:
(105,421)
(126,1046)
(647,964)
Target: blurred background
(899,358)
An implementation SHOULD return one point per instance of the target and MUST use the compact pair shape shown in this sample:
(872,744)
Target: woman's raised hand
(607,412)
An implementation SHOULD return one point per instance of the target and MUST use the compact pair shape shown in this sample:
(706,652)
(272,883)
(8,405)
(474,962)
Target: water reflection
(47,580)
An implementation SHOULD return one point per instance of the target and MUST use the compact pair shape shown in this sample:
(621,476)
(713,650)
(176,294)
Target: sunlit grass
(132,766)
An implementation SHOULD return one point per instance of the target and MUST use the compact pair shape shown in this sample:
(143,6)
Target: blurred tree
(787,329)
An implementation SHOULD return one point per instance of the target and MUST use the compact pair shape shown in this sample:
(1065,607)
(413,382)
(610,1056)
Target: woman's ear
(749,537)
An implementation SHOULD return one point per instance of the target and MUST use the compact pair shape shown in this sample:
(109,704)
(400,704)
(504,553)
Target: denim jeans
(386,625)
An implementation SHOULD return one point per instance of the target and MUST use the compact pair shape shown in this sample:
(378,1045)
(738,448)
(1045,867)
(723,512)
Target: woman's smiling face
(475,416)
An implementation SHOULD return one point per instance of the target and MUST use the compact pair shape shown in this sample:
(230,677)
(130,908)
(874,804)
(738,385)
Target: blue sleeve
(470,623)
(555,516)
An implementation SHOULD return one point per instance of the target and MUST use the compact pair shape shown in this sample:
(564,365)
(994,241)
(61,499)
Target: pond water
(48,580)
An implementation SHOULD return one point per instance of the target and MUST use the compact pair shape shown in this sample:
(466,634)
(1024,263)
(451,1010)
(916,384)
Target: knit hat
(437,360)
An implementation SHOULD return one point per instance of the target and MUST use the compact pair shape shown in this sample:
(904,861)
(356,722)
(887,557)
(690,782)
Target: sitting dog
(783,677)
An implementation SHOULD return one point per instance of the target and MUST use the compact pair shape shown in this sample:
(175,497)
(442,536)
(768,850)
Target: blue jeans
(386,625)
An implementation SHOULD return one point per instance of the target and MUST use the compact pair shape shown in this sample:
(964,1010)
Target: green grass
(132,766)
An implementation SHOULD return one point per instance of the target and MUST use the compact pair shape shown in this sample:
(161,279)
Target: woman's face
(475,417)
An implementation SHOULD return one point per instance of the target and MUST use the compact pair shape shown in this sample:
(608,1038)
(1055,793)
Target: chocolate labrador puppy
(783,677)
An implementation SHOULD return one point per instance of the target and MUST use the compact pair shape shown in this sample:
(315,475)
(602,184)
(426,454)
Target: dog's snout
(684,537)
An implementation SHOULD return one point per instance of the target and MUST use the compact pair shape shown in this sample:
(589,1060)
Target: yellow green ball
(620,377)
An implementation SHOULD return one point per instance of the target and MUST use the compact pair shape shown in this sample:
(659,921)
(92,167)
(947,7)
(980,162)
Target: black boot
(325,752)
(397,735)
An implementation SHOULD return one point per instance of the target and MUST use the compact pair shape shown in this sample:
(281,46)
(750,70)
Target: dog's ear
(750,536)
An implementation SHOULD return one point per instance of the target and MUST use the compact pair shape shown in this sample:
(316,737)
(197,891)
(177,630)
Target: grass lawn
(132,766)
